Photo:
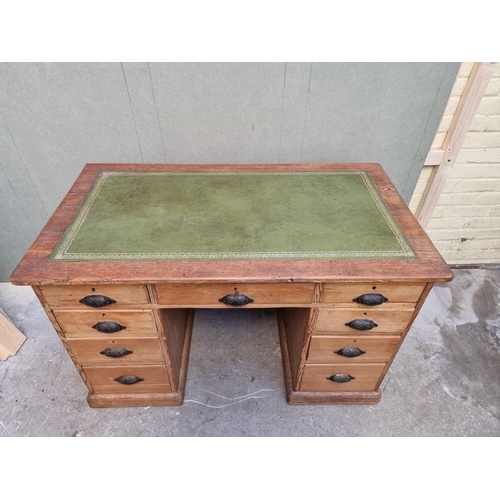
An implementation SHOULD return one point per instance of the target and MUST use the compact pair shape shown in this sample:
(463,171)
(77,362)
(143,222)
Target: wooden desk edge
(35,268)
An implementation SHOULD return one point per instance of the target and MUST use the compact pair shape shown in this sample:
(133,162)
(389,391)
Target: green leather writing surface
(232,215)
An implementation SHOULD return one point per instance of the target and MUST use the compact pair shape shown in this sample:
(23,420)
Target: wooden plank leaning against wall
(442,159)
(11,339)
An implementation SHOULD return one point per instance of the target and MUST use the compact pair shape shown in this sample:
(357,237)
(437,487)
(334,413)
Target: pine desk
(133,250)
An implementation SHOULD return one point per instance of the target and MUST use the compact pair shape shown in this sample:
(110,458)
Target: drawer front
(387,320)
(102,379)
(344,293)
(70,296)
(117,351)
(79,324)
(351,349)
(316,377)
(209,295)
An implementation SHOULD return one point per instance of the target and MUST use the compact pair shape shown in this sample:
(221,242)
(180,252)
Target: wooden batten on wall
(434,157)
(444,158)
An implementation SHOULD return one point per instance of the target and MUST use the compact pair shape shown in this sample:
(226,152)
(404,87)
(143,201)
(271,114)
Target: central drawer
(210,295)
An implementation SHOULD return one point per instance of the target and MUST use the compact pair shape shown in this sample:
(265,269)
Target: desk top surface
(150,223)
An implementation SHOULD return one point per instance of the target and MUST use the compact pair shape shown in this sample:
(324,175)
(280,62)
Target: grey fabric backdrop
(57,117)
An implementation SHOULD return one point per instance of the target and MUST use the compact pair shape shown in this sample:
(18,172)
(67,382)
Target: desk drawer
(364,377)
(69,296)
(345,293)
(260,294)
(370,349)
(102,379)
(80,324)
(117,351)
(387,320)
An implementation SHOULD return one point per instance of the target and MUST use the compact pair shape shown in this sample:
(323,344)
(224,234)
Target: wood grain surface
(365,377)
(346,292)
(155,301)
(69,297)
(144,351)
(34,268)
(387,320)
(103,379)
(376,349)
(208,295)
(80,323)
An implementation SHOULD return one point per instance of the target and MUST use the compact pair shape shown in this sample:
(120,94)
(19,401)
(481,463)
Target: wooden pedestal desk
(133,250)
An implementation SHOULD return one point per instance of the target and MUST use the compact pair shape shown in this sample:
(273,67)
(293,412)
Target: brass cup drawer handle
(236,299)
(361,324)
(97,301)
(340,378)
(108,327)
(129,379)
(350,352)
(116,352)
(371,299)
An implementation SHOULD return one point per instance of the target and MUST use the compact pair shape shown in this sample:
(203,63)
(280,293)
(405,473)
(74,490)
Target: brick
(451,106)
(487,199)
(415,200)
(478,123)
(489,106)
(465,69)
(444,124)
(461,223)
(424,177)
(494,211)
(459,85)
(420,187)
(482,140)
(462,199)
(475,171)
(493,88)
(439,211)
(485,155)
(460,211)
(482,123)
(492,123)
(438,140)
(446,246)
(472,257)
(464,233)
(425,173)
(470,250)
(475,186)
(471,244)
(450,186)
(482,223)
(496,71)
(444,224)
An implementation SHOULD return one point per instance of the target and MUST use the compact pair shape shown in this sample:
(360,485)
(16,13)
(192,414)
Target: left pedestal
(127,350)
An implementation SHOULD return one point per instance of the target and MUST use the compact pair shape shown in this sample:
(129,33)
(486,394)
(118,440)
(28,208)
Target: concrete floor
(445,380)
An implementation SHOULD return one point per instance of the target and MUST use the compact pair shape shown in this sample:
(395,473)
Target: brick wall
(465,225)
